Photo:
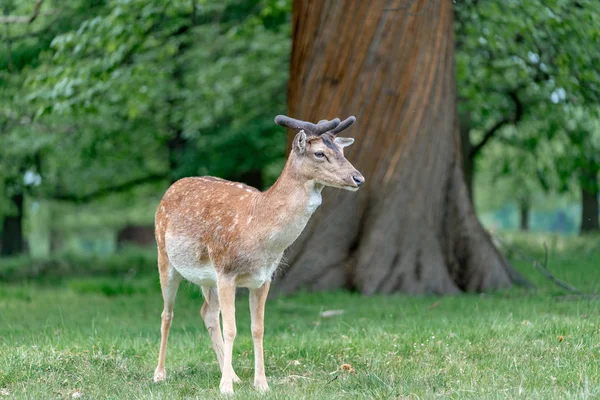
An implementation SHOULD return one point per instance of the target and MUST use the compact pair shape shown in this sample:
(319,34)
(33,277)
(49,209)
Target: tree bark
(468,160)
(412,228)
(589,203)
(13,242)
(524,208)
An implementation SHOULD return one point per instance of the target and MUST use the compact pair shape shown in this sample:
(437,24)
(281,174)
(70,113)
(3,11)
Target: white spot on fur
(249,220)
(240,186)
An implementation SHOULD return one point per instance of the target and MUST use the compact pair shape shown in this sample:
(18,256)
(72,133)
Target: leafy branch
(512,119)
(22,19)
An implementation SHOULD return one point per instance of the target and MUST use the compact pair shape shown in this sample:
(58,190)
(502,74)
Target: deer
(221,235)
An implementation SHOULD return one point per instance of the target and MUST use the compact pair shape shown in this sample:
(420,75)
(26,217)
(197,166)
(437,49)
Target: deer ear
(343,141)
(300,142)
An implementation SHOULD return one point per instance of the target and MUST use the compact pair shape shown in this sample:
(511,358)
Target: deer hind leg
(211,310)
(169,283)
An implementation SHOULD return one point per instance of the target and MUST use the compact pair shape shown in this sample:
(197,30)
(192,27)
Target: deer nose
(358,179)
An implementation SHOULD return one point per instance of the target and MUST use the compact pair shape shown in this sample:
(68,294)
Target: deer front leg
(226,289)
(258,297)
(210,314)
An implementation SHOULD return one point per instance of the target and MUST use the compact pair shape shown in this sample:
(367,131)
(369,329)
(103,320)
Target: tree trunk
(12,229)
(468,161)
(412,228)
(524,215)
(589,204)
(138,235)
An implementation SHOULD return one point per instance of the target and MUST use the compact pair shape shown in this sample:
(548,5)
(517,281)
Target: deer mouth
(350,188)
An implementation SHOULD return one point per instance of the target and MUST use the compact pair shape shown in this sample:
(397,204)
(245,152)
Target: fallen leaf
(347,368)
(77,395)
(561,338)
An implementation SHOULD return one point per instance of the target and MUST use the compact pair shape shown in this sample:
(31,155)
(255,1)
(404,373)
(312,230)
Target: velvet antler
(345,124)
(308,127)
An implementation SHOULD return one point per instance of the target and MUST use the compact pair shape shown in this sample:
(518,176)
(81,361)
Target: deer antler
(345,124)
(308,127)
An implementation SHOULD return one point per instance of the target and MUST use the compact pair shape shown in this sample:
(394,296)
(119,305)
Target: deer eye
(319,154)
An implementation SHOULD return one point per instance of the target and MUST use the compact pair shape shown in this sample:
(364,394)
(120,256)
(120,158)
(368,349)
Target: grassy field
(98,337)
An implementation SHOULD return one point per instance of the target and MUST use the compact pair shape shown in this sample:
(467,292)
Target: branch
(19,19)
(121,187)
(543,268)
(513,119)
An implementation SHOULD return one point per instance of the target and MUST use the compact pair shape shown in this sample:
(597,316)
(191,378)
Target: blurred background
(103,104)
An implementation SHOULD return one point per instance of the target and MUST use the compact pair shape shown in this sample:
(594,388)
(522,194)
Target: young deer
(221,235)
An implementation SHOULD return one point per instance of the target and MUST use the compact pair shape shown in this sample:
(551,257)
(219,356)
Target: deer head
(319,154)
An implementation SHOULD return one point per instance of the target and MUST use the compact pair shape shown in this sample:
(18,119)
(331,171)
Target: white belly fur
(183,255)
(201,275)
(181,252)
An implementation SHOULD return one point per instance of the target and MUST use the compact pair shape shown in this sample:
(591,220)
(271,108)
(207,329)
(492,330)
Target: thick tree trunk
(13,242)
(412,227)
(524,215)
(589,204)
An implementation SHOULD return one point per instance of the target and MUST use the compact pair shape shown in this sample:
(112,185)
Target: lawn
(97,337)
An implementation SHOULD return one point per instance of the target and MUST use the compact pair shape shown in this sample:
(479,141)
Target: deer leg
(226,289)
(258,297)
(169,283)
(210,312)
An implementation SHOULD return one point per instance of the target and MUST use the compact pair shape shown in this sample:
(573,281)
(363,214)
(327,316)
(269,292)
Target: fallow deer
(221,235)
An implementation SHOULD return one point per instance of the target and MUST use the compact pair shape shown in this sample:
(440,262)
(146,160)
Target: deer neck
(288,205)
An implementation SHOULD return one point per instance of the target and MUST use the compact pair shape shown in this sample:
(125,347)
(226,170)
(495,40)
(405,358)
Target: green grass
(99,336)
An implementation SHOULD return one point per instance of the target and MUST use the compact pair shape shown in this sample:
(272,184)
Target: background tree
(512,62)
(26,30)
(412,228)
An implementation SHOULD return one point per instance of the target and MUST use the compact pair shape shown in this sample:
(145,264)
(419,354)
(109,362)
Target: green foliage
(105,93)
(112,100)
(530,68)
(210,75)
(100,337)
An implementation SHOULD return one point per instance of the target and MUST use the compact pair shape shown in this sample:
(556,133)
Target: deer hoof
(160,375)
(261,386)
